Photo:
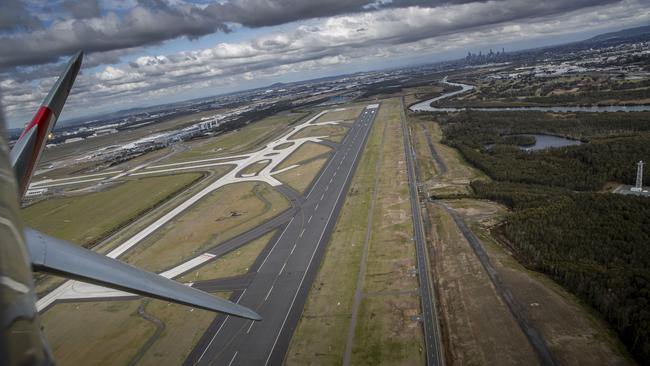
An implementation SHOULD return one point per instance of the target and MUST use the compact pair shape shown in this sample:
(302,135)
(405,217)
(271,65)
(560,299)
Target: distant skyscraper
(638,187)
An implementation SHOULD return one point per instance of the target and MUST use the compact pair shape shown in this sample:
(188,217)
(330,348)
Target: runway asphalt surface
(279,288)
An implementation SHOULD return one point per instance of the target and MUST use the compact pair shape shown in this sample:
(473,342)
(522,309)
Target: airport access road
(433,343)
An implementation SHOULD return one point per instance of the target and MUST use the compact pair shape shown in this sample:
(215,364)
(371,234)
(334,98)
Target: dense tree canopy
(597,245)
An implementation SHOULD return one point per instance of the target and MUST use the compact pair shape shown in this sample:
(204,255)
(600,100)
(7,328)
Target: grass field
(184,326)
(351,112)
(242,140)
(333,132)
(386,330)
(223,214)
(88,218)
(234,263)
(114,333)
(320,336)
(300,178)
(255,167)
(304,153)
(310,157)
(101,333)
(384,324)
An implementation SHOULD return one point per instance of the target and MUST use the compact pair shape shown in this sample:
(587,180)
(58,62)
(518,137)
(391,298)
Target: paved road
(440,164)
(433,343)
(280,286)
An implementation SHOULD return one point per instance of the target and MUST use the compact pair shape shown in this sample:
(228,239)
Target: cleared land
(458,174)
(225,213)
(477,325)
(232,264)
(385,331)
(574,333)
(88,218)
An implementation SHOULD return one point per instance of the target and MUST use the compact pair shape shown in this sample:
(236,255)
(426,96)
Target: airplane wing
(56,256)
(27,151)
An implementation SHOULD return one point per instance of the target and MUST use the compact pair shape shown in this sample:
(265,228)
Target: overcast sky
(144,52)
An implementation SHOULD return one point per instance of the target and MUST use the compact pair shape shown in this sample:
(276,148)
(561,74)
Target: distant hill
(622,34)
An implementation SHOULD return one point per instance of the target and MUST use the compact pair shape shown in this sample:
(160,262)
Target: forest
(613,143)
(595,244)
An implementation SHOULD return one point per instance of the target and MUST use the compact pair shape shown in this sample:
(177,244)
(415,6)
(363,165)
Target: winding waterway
(425,106)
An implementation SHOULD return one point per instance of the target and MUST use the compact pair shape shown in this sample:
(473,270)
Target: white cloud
(318,45)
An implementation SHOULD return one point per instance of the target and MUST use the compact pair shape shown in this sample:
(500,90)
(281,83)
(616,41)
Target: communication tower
(638,187)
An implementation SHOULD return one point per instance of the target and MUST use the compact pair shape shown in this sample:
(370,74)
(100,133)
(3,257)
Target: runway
(279,287)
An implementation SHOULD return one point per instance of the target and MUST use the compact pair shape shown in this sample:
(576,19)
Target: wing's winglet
(27,151)
(58,257)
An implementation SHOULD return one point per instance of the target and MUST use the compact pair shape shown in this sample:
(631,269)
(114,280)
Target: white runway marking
(77,290)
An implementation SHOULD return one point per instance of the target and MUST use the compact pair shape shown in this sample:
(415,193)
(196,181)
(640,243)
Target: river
(425,106)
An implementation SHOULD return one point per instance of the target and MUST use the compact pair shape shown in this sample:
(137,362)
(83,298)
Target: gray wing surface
(59,257)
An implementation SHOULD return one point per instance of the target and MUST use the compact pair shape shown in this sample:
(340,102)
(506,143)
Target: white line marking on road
(310,261)
(282,269)
(233,358)
(276,242)
(268,293)
(316,208)
(302,232)
(308,221)
(250,327)
(292,249)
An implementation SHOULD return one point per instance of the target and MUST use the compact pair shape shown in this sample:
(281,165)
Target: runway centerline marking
(314,253)
(233,358)
(268,293)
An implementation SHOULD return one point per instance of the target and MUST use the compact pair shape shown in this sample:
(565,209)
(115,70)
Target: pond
(543,141)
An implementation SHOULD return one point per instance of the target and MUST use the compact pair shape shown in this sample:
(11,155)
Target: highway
(278,288)
(433,343)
